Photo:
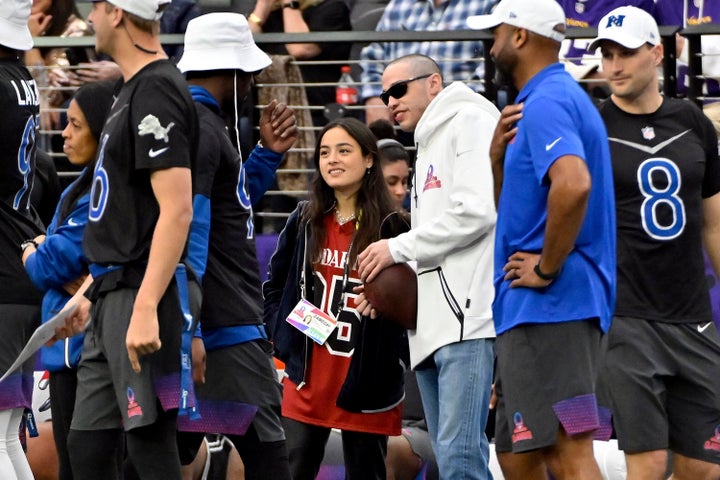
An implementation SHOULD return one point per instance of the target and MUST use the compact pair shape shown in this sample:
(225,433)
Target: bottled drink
(345,92)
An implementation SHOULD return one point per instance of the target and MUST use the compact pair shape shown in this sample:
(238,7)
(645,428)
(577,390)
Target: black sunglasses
(399,89)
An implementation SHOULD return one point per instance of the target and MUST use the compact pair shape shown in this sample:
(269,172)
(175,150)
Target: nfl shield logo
(648,133)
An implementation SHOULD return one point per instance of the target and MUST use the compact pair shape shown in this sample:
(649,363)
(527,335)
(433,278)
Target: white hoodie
(453,222)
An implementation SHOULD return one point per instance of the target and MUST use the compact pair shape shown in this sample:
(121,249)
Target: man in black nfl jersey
(131,374)
(19,300)
(660,371)
(220,60)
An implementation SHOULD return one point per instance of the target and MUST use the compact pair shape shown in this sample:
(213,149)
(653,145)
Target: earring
(367,171)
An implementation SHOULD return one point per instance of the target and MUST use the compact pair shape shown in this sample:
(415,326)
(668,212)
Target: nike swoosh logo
(155,153)
(702,328)
(645,148)
(73,223)
(552,144)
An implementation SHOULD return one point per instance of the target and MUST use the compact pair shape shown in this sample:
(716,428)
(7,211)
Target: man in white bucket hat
(667,189)
(220,61)
(19,300)
(554,250)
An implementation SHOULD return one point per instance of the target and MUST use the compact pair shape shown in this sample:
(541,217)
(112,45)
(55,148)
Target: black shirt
(328,16)
(151,126)
(664,165)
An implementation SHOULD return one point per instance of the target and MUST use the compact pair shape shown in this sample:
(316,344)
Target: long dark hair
(61,11)
(373,197)
(94,99)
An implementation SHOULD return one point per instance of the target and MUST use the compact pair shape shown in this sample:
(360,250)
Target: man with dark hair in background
(220,62)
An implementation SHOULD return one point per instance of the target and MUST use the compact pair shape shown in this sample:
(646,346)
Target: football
(393,293)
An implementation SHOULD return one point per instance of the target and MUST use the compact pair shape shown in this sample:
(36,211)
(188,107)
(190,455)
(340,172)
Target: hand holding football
(393,294)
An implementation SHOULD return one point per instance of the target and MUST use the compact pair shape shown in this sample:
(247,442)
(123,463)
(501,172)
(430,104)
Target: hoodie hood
(445,106)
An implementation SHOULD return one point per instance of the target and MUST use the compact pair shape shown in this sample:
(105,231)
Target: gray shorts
(239,375)
(415,431)
(109,393)
(546,378)
(661,381)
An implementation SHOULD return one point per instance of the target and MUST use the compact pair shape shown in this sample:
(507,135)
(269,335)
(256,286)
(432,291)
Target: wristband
(28,243)
(545,276)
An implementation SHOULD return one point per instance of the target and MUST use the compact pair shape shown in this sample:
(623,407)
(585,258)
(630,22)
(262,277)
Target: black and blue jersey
(222,238)
(151,126)
(20,108)
(664,165)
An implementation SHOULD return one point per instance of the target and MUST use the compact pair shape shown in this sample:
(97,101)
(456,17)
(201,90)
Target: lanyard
(188,406)
(346,269)
(346,277)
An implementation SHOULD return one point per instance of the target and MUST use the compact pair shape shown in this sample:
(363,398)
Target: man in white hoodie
(452,235)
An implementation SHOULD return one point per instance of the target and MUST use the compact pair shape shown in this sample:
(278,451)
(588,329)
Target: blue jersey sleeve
(60,259)
(199,236)
(260,169)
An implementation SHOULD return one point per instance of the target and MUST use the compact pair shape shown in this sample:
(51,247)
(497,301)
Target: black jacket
(375,378)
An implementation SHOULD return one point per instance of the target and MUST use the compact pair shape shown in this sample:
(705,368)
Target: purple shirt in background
(670,12)
(714,287)
(587,13)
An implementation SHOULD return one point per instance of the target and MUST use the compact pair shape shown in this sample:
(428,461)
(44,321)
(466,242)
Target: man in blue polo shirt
(554,250)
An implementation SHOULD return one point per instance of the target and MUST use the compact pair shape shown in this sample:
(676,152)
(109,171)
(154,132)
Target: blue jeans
(455,395)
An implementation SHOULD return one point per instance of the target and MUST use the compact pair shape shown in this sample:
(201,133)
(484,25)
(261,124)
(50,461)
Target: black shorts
(663,386)
(238,376)
(546,378)
(110,394)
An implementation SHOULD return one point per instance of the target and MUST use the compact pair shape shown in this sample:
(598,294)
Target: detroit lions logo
(150,125)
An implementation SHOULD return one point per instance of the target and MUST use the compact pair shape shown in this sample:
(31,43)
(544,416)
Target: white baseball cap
(146,9)
(579,71)
(544,17)
(631,27)
(221,41)
(14,31)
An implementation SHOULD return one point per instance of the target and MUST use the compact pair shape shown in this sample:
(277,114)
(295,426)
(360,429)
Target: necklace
(343,220)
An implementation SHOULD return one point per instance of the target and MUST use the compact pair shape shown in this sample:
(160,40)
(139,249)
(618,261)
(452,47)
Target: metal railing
(694,35)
